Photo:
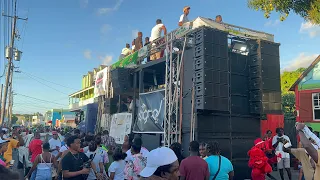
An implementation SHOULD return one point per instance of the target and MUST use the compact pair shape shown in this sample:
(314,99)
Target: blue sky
(66,38)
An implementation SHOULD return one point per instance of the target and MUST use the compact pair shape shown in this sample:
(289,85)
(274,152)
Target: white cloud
(272,23)
(87,54)
(102,11)
(134,33)
(303,60)
(106,60)
(105,28)
(84,3)
(312,29)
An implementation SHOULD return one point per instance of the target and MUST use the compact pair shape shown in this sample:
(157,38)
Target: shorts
(284,163)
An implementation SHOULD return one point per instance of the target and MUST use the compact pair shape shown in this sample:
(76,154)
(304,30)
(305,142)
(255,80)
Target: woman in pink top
(3,148)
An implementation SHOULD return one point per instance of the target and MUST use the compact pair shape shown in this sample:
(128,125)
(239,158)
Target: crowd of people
(96,157)
(276,150)
(156,32)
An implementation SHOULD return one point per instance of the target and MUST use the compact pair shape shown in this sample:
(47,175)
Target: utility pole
(10,62)
(9,109)
(1,95)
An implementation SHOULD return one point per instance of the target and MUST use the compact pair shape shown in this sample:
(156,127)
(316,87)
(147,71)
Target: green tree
(289,78)
(288,106)
(307,9)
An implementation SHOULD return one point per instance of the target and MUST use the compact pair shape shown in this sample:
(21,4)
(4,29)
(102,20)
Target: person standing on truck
(156,34)
(184,16)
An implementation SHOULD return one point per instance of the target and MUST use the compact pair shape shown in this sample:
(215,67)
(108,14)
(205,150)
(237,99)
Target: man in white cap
(162,164)
(184,16)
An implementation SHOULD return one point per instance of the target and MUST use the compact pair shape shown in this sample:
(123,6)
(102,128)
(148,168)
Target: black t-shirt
(74,163)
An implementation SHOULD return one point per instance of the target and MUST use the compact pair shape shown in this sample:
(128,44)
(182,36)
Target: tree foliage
(308,9)
(288,98)
(289,78)
(288,106)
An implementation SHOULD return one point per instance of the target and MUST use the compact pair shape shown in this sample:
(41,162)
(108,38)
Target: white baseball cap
(156,158)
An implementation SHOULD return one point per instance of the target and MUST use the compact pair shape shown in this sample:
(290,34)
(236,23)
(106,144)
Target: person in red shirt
(35,146)
(187,167)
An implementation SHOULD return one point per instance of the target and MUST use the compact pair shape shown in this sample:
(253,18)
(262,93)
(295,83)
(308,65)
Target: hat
(54,132)
(156,158)
(185,8)
(3,141)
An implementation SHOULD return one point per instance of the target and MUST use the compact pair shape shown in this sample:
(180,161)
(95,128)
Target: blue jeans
(33,175)
(44,174)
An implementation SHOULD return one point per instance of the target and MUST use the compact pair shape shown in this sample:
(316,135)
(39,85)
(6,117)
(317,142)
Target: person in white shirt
(116,169)
(55,143)
(278,142)
(143,151)
(156,34)
(125,51)
(184,16)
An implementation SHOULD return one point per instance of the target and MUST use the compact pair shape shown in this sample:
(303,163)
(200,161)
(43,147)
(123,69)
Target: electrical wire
(39,99)
(45,84)
(28,74)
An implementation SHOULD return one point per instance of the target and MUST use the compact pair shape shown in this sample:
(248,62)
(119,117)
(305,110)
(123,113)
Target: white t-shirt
(53,144)
(183,19)
(131,104)
(279,148)
(63,148)
(144,152)
(118,168)
(156,32)
(96,160)
(126,51)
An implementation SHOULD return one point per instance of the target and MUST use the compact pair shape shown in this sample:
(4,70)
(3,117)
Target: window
(316,106)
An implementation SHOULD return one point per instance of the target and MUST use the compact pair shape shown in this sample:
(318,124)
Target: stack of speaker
(232,91)
(121,80)
(264,78)
(211,70)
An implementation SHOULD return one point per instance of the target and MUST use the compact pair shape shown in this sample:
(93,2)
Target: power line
(39,99)
(46,84)
(28,74)
(34,101)
(33,104)
(32,107)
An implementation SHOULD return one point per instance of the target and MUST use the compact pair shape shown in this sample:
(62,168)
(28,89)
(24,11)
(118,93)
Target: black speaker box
(211,36)
(110,105)
(211,89)
(212,103)
(122,80)
(238,63)
(211,76)
(239,85)
(211,62)
(211,49)
(239,104)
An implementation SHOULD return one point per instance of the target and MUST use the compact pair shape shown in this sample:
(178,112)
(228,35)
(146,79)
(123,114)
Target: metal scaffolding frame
(172,91)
